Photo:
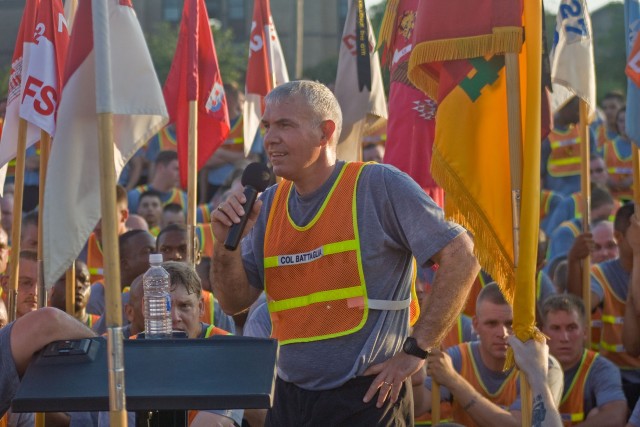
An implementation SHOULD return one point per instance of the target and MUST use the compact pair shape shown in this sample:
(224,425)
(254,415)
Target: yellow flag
(465,71)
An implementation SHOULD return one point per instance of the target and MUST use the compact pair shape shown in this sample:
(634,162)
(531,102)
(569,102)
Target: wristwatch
(411,347)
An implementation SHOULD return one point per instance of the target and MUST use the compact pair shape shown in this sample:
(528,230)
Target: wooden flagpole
(18,196)
(515,161)
(111,250)
(585,178)
(192,181)
(45,145)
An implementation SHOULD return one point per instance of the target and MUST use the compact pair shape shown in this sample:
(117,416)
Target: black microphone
(255,178)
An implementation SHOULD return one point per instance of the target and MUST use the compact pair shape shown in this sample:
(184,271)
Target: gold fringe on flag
(460,206)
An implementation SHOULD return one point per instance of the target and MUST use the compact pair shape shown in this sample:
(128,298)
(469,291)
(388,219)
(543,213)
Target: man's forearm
(635,282)
(457,270)
(611,414)
(230,283)
(574,277)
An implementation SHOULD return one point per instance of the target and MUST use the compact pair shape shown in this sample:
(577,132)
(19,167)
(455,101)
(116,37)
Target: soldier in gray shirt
(337,268)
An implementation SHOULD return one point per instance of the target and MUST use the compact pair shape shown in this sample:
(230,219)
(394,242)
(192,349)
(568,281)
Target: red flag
(411,125)
(9,137)
(43,75)
(195,76)
(266,68)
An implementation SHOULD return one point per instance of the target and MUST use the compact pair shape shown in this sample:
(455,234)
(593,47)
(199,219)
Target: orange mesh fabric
(313,293)
(572,403)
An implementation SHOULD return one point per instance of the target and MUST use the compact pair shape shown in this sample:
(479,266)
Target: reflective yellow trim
(614,320)
(565,161)
(323,296)
(324,204)
(613,348)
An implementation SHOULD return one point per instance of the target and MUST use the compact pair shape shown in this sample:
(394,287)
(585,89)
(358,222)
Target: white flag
(572,64)
(132,93)
(359,87)
(266,69)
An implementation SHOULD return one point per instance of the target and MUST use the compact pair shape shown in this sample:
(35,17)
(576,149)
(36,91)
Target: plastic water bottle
(157,300)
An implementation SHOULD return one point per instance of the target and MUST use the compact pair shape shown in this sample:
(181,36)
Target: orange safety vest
(611,345)
(577,206)
(564,159)
(167,140)
(572,403)
(176,195)
(596,328)
(204,212)
(4,420)
(235,139)
(601,136)
(95,260)
(329,259)
(454,336)
(619,168)
(204,233)
(503,397)
(208,312)
(91,320)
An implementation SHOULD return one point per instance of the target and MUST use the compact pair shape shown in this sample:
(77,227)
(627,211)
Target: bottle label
(168,303)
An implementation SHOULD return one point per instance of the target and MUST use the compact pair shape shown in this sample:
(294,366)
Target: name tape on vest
(300,258)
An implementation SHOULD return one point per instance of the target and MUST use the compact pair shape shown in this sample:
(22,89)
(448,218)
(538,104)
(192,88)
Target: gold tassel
(461,208)
(387,26)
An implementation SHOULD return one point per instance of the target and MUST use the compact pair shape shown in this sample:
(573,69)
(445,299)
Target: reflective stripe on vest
(208,312)
(564,159)
(503,397)
(613,309)
(572,404)
(235,137)
(618,167)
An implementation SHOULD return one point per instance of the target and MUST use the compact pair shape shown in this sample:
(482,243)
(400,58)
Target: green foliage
(162,42)
(325,72)
(4,81)
(232,57)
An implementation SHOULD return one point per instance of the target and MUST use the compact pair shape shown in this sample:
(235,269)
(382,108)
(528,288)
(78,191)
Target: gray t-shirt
(492,380)
(9,379)
(395,220)
(603,385)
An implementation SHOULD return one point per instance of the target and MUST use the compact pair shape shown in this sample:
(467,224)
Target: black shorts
(342,406)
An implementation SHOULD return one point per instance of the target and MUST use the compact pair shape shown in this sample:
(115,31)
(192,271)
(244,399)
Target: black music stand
(223,372)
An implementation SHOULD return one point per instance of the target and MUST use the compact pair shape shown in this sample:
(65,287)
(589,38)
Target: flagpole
(70,289)
(636,173)
(112,281)
(585,177)
(18,197)
(515,162)
(45,145)
(435,403)
(192,181)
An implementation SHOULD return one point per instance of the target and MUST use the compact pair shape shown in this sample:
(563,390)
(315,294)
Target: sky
(550,5)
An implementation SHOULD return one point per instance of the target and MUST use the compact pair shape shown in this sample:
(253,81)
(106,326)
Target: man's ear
(328,128)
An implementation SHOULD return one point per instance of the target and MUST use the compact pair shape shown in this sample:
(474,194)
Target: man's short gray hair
(322,101)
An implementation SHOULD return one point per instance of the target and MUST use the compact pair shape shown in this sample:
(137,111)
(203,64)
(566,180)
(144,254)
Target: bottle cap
(155,258)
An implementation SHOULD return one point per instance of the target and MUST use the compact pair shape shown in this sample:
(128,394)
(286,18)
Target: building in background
(323,22)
